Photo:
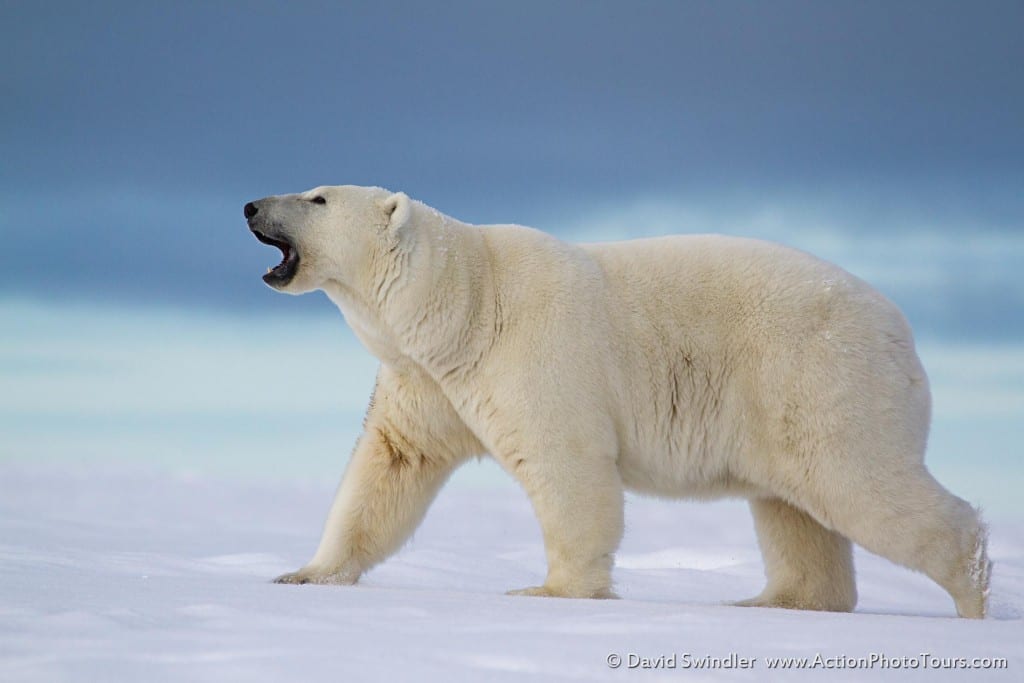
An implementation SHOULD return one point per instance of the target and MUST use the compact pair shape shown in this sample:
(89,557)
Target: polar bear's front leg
(578,499)
(383,497)
(412,442)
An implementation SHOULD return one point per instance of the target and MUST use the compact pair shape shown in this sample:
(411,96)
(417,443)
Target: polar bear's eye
(318,200)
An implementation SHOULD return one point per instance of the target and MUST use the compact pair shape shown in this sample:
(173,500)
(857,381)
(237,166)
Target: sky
(884,136)
(132,133)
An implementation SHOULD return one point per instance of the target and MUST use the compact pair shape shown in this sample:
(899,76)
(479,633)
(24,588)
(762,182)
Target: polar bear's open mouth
(283,272)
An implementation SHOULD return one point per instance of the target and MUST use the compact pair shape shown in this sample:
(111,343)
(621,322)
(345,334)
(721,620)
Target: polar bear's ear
(397,208)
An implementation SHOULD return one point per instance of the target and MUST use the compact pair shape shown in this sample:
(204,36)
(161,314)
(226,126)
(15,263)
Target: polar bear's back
(722,295)
(749,335)
(748,286)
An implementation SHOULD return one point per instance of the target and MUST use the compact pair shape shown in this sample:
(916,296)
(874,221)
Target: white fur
(696,365)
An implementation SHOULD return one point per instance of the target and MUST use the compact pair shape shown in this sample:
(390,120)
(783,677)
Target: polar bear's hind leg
(909,518)
(807,565)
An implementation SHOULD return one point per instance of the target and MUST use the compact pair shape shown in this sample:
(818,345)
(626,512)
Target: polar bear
(683,366)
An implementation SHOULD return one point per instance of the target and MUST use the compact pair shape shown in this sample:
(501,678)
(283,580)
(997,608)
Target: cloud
(955,275)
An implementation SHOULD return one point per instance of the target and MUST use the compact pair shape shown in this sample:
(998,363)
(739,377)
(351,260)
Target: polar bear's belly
(684,454)
(662,472)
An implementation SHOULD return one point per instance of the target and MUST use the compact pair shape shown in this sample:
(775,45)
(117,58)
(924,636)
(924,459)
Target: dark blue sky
(132,133)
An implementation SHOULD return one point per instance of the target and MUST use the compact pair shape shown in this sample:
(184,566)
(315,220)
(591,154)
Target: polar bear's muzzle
(266,231)
(281,274)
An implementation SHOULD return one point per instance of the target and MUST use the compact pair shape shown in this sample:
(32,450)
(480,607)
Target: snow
(151,485)
(121,573)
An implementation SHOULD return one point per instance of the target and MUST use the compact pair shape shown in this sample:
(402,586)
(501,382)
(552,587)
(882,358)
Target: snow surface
(114,573)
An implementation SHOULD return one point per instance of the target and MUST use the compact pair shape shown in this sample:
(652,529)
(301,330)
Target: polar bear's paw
(832,603)
(549,592)
(535,591)
(760,601)
(308,575)
(294,577)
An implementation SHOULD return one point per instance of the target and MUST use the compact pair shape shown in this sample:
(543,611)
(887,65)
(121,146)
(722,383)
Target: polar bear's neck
(437,314)
(434,310)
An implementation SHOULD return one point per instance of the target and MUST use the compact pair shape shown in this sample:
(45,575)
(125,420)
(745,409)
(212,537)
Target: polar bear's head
(329,234)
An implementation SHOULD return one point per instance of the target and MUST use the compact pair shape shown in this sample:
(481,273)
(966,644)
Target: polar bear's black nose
(250,210)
